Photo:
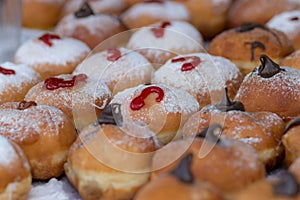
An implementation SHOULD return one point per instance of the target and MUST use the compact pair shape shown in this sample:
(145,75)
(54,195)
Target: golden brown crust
(236,46)
(45,136)
(291,142)
(292,60)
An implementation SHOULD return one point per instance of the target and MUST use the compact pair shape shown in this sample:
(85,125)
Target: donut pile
(155,99)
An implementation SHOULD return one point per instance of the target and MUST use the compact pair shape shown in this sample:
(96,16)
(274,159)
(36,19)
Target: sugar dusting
(7,152)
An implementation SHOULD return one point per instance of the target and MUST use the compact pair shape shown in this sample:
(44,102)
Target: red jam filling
(47,37)
(113,54)
(160,31)
(7,71)
(138,102)
(54,83)
(294,19)
(190,62)
(26,104)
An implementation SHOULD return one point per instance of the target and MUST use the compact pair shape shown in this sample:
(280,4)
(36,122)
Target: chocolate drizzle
(287,184)
(295,122)
(183,171)
(211,133)
(226,104)
(84,11)
(268,68)
(26,104)
(254,45)
(111,115)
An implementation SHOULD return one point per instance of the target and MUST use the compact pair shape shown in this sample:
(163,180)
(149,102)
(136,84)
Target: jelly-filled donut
(15,81)
(166,39)
(244,45)
(51,54)
(271,88)
(261,130)
(202,75)
(118,68)
(157,107)
(15,182)
(44,133)
(75,95)
(107,163)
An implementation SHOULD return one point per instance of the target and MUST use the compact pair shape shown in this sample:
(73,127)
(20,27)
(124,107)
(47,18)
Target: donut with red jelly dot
(153,11)
(99,6)
(14,171)
(156,107)
(202,75)
(51,54)
(15,81)
(44,133)
(289,23)
(166,39)
(229,165)
(272,88)
(119,167)
(245,44)
(118,68)
(73,94)
(88,26)
(178,184)
(261,130)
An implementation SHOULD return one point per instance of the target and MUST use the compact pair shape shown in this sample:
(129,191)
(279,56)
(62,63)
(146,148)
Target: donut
(81,98)
(291,140)
(106,162)
(227,164)
(118,68)
(15,81)
(41,14)
(88,26)
(130,3)
(289,23)
(15,173)
(257,11)
(99,6)
(244,45)
(292,60)
(179,184)
(202,75)
(153,11)
(44,133)
(260,130)
(294,168)
(166,39)
(159,108)
(271,88)
(51,54)
(208,16)
(282,185)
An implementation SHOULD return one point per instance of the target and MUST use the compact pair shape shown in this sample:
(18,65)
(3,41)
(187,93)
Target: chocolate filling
(211,133)
(226,105)
(295,122)
(84,11)
(268,67)
(254,45)
(111,115)
(183,171)
(287,184)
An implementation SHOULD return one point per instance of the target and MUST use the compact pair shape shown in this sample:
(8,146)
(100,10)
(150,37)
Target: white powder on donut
(7,152)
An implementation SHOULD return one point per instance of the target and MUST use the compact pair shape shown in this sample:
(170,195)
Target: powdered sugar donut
(88,26)
(44,133)
(99,6)
(73,95)
(15,81)
(289,23)
(15,173)
(202,75)
(163,40)
(117,68)
(149,12)
(292,60)
(51,54)
(161,109)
